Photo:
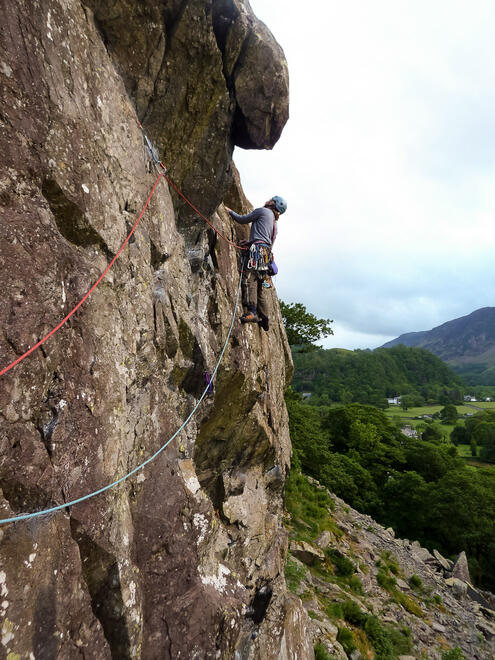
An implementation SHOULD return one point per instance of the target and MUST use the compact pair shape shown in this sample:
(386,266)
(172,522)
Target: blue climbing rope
(44,512)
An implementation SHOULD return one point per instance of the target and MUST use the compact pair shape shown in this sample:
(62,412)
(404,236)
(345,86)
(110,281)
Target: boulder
(447,564)
(488,613)
(490,599)
(327,627)
(460,569)
(324,539)
(306,553)
(476,596)
(327,588)
(438,627)
(402,584)
(487,629)
(419,553)
(459,587)
(255,65)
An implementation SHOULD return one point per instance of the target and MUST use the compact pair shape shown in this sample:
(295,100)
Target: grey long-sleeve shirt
(264,226)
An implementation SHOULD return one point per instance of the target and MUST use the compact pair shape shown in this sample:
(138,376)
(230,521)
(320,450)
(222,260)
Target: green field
(414,417)
(464,451)
(396,411)
(485,405)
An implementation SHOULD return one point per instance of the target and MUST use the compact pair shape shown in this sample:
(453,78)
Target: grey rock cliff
(185,560)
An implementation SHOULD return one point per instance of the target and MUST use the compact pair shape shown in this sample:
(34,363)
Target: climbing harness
(261,259)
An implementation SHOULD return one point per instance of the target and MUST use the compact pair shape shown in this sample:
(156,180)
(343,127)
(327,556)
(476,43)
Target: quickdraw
(259,257)
(209,383)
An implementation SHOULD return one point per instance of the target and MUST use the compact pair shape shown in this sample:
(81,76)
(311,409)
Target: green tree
(484,433)
(405,498)
(460,435)
(302,327)
(460,513)
(430,460)
(370,377)
(407,401)
(487,452)
(431,434)
(309,443)
(448,414)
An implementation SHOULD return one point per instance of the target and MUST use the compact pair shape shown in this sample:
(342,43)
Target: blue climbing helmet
(280,204)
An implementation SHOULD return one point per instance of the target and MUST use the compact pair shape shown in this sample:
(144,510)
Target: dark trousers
(254,294)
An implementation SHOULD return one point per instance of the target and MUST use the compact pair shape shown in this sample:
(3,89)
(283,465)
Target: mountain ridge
(466,340)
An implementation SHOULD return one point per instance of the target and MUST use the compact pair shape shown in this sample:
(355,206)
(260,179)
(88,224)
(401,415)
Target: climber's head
(278,204)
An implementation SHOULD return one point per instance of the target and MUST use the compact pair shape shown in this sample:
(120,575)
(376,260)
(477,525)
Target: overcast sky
(387,163)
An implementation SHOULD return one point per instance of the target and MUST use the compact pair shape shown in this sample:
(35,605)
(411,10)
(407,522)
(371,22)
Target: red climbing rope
(162,174)
(177,190)
(73,311)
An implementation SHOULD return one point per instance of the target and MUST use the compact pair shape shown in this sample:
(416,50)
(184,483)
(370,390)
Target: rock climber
(261,238)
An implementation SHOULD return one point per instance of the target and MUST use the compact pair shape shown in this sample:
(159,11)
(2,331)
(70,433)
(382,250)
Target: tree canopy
(302,327)
(422,489)
(372,376)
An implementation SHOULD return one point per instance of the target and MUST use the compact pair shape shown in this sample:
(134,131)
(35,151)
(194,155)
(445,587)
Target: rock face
(205,75)
(185,559)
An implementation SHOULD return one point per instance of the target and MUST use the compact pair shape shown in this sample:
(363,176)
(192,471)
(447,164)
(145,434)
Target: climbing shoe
(263,322)
(249,317)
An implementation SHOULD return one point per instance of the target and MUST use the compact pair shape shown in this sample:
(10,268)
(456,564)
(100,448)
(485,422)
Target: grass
(321,653)
(294,574)
(474,462)
(309,507)
(346,639)
(464,451)
(397,411)
(387,569)
(486,405)
(454,654)
(387,641)
(415,582)
(342,565)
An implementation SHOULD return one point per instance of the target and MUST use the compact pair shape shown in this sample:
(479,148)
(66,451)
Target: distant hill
(466,343)
(372,376)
